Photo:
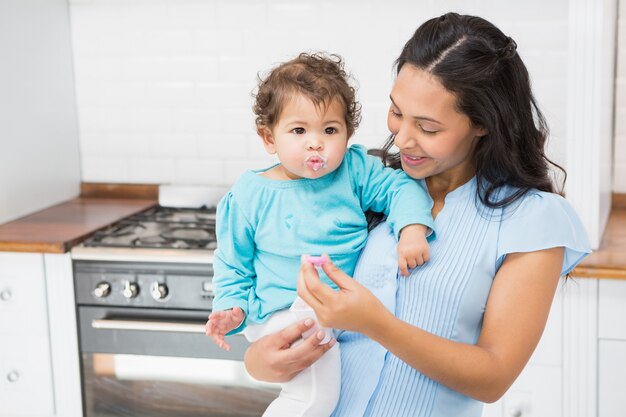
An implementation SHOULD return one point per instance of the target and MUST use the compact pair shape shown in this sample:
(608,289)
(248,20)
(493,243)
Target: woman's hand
(352,308)
(273,358)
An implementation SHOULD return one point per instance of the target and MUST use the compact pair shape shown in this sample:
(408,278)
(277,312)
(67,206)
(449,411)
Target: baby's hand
(413,249)
(222,322)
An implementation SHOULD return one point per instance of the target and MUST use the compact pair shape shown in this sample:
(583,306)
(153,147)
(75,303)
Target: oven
(141,314)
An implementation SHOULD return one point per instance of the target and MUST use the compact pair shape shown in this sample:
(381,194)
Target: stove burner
(159,214)
(161,227)
(189,233)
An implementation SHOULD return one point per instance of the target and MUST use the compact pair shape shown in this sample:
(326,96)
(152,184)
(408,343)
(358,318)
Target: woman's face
(432,136)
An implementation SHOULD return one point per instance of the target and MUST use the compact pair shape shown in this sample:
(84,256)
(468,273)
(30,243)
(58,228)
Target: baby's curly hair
(318,76)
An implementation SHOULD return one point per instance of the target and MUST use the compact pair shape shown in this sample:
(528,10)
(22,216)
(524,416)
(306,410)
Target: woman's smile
(413,160)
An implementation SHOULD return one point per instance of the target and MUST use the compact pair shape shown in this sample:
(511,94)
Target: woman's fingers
(336,275)
(287,336)
(302,355)
(309,284)
(310,350)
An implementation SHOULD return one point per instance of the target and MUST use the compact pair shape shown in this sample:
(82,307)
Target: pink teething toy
(316,260)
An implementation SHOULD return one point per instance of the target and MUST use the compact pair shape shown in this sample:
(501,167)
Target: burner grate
(161,227)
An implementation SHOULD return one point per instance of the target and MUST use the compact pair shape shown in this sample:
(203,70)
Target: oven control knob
(130,290)
(102,290)
(159,291)
(13,376)
(5,295)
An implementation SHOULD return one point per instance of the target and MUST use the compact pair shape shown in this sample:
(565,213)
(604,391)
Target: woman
(461,328)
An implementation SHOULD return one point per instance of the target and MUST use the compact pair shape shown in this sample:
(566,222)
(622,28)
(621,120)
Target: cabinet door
(611,378)
(25,364)
(612,309)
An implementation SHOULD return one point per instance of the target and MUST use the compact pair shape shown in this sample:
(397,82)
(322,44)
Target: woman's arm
(273,359)
(515,316)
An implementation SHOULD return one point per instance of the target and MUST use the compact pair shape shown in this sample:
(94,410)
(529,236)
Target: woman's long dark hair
(480,65)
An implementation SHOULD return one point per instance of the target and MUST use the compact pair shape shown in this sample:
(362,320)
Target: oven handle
(147,326)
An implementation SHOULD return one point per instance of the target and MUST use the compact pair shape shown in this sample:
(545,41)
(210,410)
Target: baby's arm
(405,203)
(222,322)
(413,249)
(233,271)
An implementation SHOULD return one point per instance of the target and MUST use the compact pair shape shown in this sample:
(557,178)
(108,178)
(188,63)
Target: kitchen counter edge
(58,228)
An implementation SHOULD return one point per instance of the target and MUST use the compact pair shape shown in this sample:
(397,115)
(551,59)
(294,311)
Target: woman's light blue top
(446,296)
(265,225)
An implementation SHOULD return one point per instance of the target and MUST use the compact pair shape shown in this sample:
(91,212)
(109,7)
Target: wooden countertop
(609,261)
(58,228)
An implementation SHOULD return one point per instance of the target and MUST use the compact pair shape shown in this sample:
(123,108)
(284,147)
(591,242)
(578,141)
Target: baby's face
(310,142)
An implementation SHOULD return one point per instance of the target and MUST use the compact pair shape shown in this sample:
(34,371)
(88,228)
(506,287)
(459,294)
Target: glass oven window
(117,385)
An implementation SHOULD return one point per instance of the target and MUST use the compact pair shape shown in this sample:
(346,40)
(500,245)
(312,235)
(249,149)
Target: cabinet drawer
(611,378)
(25,378)
(26,387)
(23,307)
(612,309)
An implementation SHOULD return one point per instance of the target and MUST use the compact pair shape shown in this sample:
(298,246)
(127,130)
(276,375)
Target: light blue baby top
(446,296)
(265,225)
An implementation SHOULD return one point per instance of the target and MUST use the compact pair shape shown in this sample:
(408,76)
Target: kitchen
(147,93)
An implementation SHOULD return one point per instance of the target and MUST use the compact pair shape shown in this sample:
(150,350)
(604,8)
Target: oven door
(149,363)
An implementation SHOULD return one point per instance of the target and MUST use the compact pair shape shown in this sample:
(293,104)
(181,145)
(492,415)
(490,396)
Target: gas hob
(167,234)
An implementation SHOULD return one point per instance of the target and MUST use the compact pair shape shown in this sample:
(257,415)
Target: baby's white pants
(314,391)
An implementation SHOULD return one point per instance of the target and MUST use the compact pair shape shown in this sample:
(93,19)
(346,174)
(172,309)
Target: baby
(312,202)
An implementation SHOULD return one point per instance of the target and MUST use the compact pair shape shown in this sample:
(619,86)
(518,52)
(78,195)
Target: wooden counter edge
(36,247)
(599,273)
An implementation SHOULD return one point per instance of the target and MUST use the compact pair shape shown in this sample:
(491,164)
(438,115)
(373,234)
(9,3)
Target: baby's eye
(395,114)
(330,130)
(298,130)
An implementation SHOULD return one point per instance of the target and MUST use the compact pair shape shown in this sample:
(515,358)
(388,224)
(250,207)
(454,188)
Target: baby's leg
(303,311)
(314,392)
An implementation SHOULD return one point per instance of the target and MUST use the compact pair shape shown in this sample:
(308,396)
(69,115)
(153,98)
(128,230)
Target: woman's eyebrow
(430,119)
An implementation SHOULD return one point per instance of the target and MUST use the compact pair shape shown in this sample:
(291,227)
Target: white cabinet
(612,309)
(612,349)
(39,368)
(611,378)
(25,363)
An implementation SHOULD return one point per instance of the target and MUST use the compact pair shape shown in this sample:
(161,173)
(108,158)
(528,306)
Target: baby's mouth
(315,162)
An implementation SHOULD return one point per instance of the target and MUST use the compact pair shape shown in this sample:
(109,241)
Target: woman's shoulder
(541,220)
(540,206)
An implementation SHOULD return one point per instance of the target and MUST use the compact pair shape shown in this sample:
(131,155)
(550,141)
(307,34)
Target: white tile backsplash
(196,171)
(176,76)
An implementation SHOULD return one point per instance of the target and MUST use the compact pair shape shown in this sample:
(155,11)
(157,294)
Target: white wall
(39,157)
(163,86)
(591,87)
(619,178)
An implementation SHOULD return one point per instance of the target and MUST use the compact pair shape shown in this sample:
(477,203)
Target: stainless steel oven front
(143,348)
